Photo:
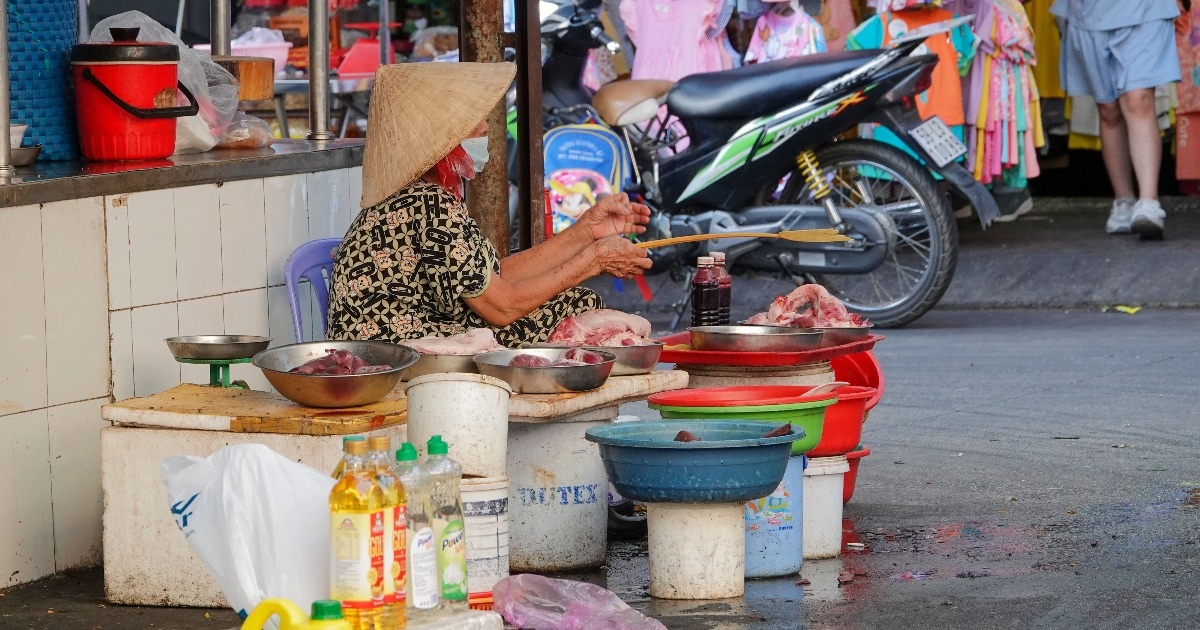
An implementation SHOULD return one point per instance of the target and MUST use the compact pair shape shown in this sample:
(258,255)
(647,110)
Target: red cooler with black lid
(125,97)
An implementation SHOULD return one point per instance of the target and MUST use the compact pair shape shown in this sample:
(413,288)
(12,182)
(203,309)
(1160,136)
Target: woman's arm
(550,254)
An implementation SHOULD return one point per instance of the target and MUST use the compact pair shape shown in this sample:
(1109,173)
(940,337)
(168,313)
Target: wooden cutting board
(244,411)
(618,389)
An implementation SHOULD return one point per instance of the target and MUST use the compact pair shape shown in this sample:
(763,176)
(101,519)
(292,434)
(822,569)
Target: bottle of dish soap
(326,615)
(422,587)
(394,525)
(356,540)
(450,533)
(341,466)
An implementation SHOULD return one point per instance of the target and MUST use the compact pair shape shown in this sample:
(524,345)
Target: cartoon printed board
(583,162)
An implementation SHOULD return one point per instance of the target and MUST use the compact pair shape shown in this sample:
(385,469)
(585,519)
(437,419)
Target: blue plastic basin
(730,463)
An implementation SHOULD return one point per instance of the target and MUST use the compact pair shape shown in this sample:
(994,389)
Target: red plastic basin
(851,477)
(844,421)
(741,396)
(860,368)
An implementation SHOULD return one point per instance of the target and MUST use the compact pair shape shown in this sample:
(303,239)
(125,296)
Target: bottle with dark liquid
(706,294)
(726,284)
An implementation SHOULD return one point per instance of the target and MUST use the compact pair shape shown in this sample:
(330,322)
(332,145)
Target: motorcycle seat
(760,88)
(623,103)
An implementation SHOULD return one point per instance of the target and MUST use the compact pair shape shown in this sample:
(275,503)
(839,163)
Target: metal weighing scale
(218,352)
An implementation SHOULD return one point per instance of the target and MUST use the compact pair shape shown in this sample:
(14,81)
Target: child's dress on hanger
(672,39)
(785,31)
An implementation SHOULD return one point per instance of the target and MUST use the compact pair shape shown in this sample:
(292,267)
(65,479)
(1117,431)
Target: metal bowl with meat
(548,370)
(335,374)
(754,338)
(632,359)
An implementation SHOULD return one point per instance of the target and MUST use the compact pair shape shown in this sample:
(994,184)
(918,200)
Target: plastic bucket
(854,458)
(822,516)
(469,411)
(861,368)
(808,416)
(844,422)
(485,512)
(697,550)
(699,376)
(775,527)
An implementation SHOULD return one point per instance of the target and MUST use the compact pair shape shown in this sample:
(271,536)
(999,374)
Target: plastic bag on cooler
(542,603)
(215,89)
(258,520)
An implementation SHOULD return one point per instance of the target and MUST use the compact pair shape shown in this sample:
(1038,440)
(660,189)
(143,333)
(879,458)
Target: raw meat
(574,357)
(529,360)
(809,306)
(337,363)
(686,436)
(472,342)
(603,327)
(780,432)
(582,356)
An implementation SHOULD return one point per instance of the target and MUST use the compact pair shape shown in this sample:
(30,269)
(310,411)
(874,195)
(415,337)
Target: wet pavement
(1028,470)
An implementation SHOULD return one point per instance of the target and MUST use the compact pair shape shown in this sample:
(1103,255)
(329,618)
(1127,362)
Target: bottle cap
(437,446)
(357,447)
(380,443)
(704,260)
(351,438)
(326,610)
(718,257)
(407,453)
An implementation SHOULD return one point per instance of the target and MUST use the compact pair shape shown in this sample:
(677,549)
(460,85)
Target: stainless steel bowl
(754,338)
(217,347)
(348,390)
(545,380)
(639,359)
(441,364)
(25,156)
(838,335)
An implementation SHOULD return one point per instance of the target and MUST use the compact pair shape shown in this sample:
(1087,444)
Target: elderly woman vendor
(415,264)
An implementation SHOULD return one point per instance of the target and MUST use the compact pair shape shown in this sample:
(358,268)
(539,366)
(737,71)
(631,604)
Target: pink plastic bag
(534,602)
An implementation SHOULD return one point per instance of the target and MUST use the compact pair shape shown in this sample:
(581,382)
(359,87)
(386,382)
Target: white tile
(205,316)
(279,317)
(116,218)
(328,207)
(152,247)
(243,236)
(22,312)
(73,244)
(75,482)
(286,203)
(246,313)
(198,241)
(120,326)
(26,522)
(354,190)
(154,369)
(347,208)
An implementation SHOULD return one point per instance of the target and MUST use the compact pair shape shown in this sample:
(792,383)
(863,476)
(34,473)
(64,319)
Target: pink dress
(779,36)
(670,38)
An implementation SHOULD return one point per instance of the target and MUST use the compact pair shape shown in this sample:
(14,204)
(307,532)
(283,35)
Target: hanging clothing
(1187,40)
(783,32)
(671,37)
(837,20)
(1047,47)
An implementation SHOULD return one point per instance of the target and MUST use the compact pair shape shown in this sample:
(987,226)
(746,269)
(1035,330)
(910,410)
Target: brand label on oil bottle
(356,565)
(452,561)
(424,570)
(398,554)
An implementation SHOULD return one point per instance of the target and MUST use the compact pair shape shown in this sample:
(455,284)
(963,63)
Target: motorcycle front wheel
(921,236)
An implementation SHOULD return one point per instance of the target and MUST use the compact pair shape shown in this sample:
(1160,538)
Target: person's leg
(1114,143)
(1144,140)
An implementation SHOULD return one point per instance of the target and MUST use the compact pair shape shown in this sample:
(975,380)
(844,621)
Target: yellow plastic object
(327,616)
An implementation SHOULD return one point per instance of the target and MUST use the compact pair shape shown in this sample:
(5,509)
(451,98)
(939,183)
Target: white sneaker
(1147,220)
(1121,217)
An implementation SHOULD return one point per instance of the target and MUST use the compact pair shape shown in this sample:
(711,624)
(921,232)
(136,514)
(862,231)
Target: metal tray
(217,347)
(545,380)
(753,338)
(838,335)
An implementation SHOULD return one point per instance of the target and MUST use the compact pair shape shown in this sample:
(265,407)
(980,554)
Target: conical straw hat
(419,113)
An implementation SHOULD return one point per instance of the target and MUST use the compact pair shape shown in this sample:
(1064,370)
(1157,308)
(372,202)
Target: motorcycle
(760,149)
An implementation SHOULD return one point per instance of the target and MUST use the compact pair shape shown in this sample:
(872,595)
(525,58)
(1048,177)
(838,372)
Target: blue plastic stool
(312,261)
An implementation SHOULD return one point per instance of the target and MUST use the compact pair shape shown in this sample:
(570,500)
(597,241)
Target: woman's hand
(614,216)
(618,257)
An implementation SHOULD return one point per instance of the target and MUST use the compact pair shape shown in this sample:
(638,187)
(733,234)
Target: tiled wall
(92,289)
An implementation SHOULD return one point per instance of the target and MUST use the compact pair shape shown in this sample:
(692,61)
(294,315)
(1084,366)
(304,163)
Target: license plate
(938,141)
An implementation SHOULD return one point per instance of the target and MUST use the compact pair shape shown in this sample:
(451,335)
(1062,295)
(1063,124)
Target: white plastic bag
(258,520)
(215,89)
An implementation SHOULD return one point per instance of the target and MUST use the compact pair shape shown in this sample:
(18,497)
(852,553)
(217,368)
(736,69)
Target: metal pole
(220,19)
(85,28)
(318,70)
(385,33)
(6,169)
(178,17)
(487,194)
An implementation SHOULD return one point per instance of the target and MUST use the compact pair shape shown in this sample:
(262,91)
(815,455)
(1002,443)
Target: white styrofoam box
(120,329)
(22,312)
(26,522)
(243,236)
(286,202)
(75,482)
(116,219)
(198,240)
(77,352)
(279,317)
(468,620)
(168,572)
(154,369)
(246,314)
(205,316)
(328,204)
(152,247)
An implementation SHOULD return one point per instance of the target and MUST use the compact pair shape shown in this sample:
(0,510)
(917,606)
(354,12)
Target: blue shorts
(1107,64)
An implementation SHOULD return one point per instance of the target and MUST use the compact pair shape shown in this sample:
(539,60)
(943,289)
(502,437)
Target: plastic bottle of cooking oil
(450,533)
(422,588)
(356,527)
(337,472)
(326,615)
(394,525)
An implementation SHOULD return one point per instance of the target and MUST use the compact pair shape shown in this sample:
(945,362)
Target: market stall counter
(557,490)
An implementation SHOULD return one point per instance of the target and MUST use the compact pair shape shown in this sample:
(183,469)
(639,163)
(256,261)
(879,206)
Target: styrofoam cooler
(823,485)
(701,376)
(485,512)
(469,411)
(775,527)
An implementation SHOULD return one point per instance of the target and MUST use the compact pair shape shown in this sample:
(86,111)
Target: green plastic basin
(809,416)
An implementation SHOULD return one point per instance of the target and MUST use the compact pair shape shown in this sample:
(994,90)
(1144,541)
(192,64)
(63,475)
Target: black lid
(125,47)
